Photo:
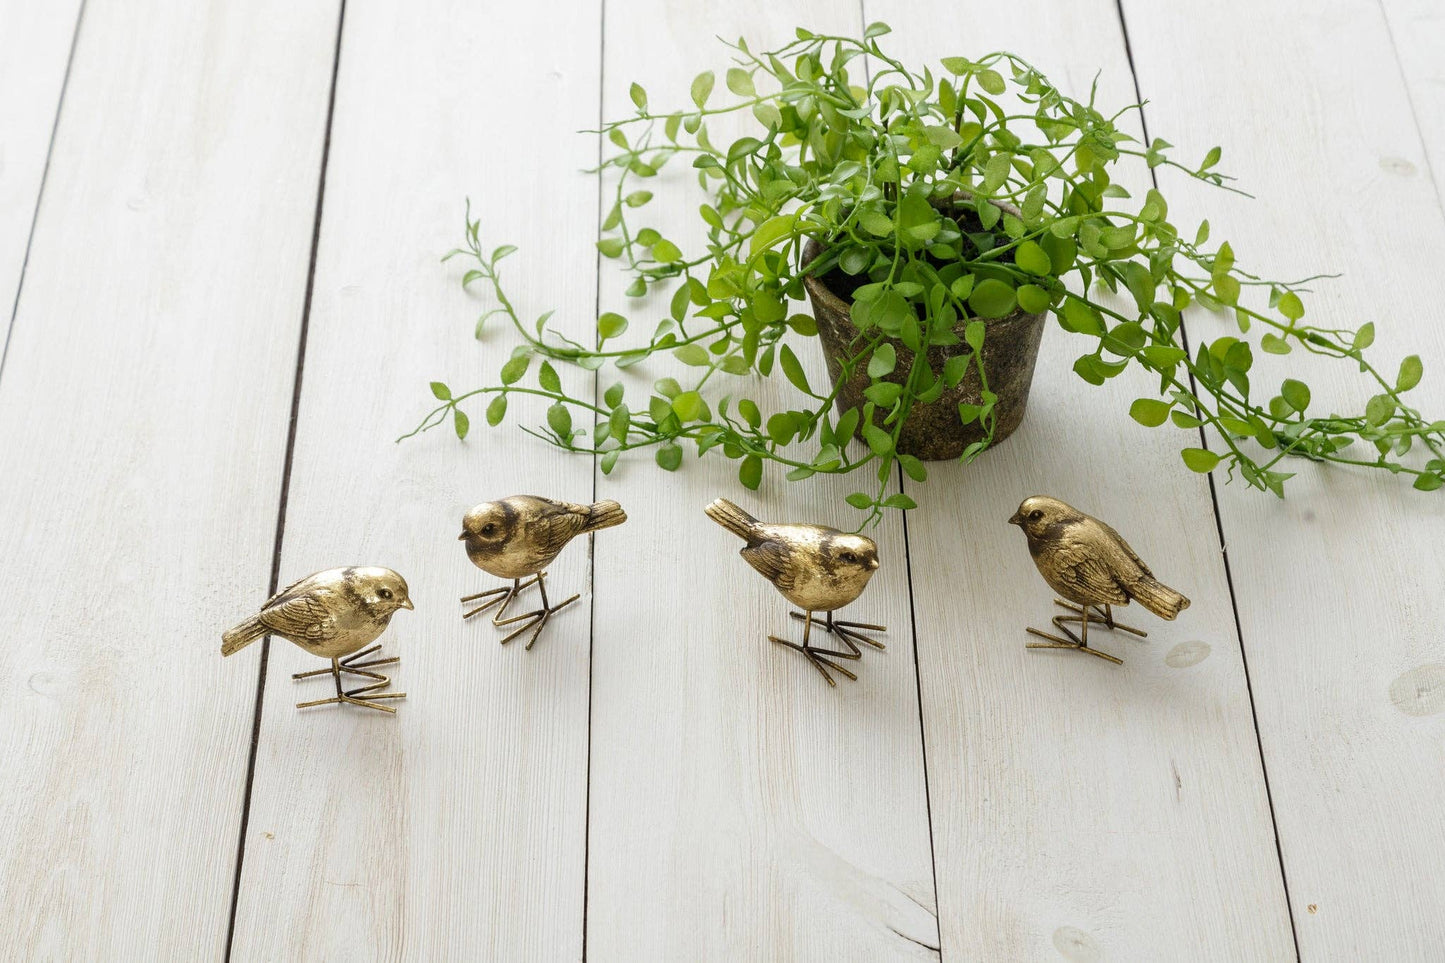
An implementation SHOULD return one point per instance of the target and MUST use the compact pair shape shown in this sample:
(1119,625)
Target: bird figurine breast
(1091,566)
(517,538)
(817,568)
(334,614)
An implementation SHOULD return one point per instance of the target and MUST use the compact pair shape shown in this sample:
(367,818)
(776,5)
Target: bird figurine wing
(1119,540)
(558,524)
(774,561)
(1080,565)
(284,592)
(301,617)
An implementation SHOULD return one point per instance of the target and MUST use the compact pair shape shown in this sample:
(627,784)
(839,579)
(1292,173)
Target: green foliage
(952,196)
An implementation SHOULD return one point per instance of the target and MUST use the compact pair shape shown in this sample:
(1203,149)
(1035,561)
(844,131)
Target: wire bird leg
(1086,614)
(535,620)
(351,666)
(503,595)
(822,658)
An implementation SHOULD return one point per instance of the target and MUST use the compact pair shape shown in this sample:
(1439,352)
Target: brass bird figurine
(1090,565)
(517,538)
(333,614)
(818,569)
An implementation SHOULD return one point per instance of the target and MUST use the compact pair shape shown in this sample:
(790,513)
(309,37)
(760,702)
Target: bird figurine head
(855,555)
(487,526)
(1039,512)
(381,590)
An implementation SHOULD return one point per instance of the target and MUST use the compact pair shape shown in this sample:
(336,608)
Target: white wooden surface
(1339,586)
(456,828)
(144,407)
(654,780)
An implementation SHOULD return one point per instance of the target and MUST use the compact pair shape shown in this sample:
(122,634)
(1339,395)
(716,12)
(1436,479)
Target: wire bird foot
(848,632)
(536,620)
(1084,617)
(352,666)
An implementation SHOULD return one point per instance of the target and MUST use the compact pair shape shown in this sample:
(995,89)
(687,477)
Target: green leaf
(879,440)
(639,96)
(1149,412)
(913,468)
(1291,307)
(613,395)
(1296,394)
(749,410)
(692,354)
(958,66)
(955,368)
(610,246)
(769,231)
(461,422)
(1411,369)
(781,428)
(750,472)
(1274,345)
(793,369)
(688,405)
(962,287)
(618,422)
(1082,318)
(497,410)
(876,29)
(701,90)
(1032,258)
(991,81)
(992,298)
(860,501)
(740,82)
(1201,460)
(547,378)
(974,334)
(1427,483)
(559,419)
(666,252)
(609,460)
(883,361)
(1033,298)
(669,457)
(1379,409)
(610,325)
(1365,336)
(442,392)
(513,370)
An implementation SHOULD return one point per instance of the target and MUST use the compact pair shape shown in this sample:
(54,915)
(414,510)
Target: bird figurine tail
(731,517)
(1158,598)
(237,637)
(604,515)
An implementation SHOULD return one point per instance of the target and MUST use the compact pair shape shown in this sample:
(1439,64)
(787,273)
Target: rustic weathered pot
(933,431)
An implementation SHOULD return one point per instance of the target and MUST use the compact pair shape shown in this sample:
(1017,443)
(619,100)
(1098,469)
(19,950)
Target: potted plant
(934,217)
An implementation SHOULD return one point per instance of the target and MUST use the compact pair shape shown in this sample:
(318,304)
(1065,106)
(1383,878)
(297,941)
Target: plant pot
(933,431)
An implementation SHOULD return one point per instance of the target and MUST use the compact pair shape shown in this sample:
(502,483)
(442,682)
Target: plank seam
(285,481)
(1219,529)
(40,192)
(592,540)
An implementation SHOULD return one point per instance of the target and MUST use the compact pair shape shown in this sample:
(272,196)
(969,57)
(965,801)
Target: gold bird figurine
(333,614)
(818,569)
(1090,565)
(517,538)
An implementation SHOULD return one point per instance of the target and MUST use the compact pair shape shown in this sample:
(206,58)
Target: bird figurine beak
(873,565)
(463,536)
(406,604)
(1017,519)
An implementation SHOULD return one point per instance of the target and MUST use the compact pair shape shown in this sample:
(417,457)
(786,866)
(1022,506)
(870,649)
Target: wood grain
(1338,585)
(740,809)
(35,37)
(145,400)
(1079,808)
(456,828)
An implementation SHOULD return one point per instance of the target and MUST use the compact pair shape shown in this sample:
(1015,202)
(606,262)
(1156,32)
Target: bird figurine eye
(850,558)
(488,530)
(1035,515)
(384,593)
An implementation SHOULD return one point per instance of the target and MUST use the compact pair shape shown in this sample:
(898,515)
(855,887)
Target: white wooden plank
(1417,38)
(144,409)
(740,809)
(35,38)
(1338,586)
(1081,808)
(457,827)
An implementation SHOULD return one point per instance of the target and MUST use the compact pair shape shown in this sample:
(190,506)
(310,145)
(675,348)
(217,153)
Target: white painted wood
(1416,37)
(1079,808)
(740,809)
(144,409)
(1339,585)
(35,40)
(455,829)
